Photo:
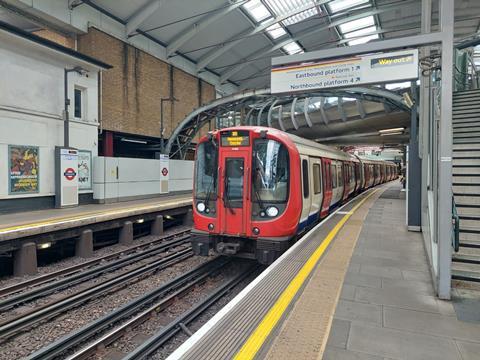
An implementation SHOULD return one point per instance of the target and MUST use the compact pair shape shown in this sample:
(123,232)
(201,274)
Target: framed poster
(23,169)
(84,170)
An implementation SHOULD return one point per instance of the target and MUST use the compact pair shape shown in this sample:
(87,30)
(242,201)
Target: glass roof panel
(275,31)
(357,33)
(339,5)
(257,10)
(282,7)
(292,48)
(357,24)
(362,40)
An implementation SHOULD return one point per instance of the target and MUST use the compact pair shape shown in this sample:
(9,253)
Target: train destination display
(379,68)
(235,138)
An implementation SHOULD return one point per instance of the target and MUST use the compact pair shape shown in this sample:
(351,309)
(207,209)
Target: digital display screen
(235,138)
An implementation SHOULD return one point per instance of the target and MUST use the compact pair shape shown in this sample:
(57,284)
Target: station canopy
(237,39)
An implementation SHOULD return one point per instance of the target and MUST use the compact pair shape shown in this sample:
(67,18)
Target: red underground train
(257,189)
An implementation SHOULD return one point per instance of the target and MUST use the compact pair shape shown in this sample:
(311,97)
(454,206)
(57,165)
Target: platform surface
(388,308)
(368,296)
(35,222)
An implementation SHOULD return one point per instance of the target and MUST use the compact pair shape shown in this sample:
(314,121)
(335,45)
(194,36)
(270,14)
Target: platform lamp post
(66,123)
(162,129)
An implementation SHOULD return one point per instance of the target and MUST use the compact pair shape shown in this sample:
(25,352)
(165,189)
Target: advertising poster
(23,169)
(84,170)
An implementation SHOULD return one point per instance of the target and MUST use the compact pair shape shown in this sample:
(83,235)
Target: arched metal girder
(261,100)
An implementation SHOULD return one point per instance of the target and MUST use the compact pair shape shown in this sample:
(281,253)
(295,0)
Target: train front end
(246,193)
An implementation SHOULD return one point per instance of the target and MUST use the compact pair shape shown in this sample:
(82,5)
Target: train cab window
(270,172)
(305,178)
(317,182)
(340,176)
(206,168)
(333,173)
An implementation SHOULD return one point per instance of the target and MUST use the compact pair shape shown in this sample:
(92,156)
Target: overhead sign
(361,70)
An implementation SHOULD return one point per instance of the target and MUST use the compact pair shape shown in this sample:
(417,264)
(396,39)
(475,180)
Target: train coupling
(228,248)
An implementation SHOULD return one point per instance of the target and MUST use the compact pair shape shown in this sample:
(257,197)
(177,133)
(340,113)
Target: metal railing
(456,227)
(466,72)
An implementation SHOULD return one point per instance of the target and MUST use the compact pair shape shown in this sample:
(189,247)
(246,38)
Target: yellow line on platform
(80,216)
(270,320)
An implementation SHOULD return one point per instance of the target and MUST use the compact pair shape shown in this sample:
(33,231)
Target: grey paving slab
(468,350)
(402,298)
(340,354)
(382,271)
(354,267)
(339,333)
(400,344)
(356,311)
(416,275)
(348,292)
(363,280)
(399,263)
(423,287)
(431,324)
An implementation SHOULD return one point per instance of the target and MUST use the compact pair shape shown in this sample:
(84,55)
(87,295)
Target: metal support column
(414,171)
(444,227)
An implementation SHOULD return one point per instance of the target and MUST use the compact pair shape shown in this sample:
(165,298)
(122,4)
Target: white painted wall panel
(137,177)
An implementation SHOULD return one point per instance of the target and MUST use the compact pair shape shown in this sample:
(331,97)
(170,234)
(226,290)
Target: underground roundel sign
(70,174)
(164,171)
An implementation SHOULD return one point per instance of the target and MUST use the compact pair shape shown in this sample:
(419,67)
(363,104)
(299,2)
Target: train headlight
(272,211)
(201,207)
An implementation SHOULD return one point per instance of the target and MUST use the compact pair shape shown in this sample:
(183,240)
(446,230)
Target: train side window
(317,183)
(333,173)
(340,177)
(305,178)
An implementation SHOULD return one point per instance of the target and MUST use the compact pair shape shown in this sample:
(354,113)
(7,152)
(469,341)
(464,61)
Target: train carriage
(257,189)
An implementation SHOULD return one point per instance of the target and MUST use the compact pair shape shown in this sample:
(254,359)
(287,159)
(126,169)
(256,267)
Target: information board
(66,179)
(164,173)
(361,70)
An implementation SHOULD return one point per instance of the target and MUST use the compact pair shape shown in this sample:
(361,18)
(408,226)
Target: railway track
(150,346)
(14,326)
(163,244)
(140,308)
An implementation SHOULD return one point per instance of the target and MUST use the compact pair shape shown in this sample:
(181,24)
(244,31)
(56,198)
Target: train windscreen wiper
(256,192)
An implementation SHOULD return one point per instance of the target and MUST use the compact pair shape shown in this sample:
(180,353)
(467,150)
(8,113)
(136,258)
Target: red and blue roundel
(69,174)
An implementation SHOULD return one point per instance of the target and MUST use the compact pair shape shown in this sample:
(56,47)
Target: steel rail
(89,274)
(67,342)
(179,324)
(75,268)
(14,326)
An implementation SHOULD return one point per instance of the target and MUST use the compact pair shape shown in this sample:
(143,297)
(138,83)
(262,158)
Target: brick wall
(133,88)
(56,37)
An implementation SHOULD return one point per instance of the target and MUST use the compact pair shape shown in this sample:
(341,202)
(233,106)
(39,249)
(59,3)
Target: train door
(346,180)
(306,198)
(358,180)
(234,214)
(317,190)
(327,187)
